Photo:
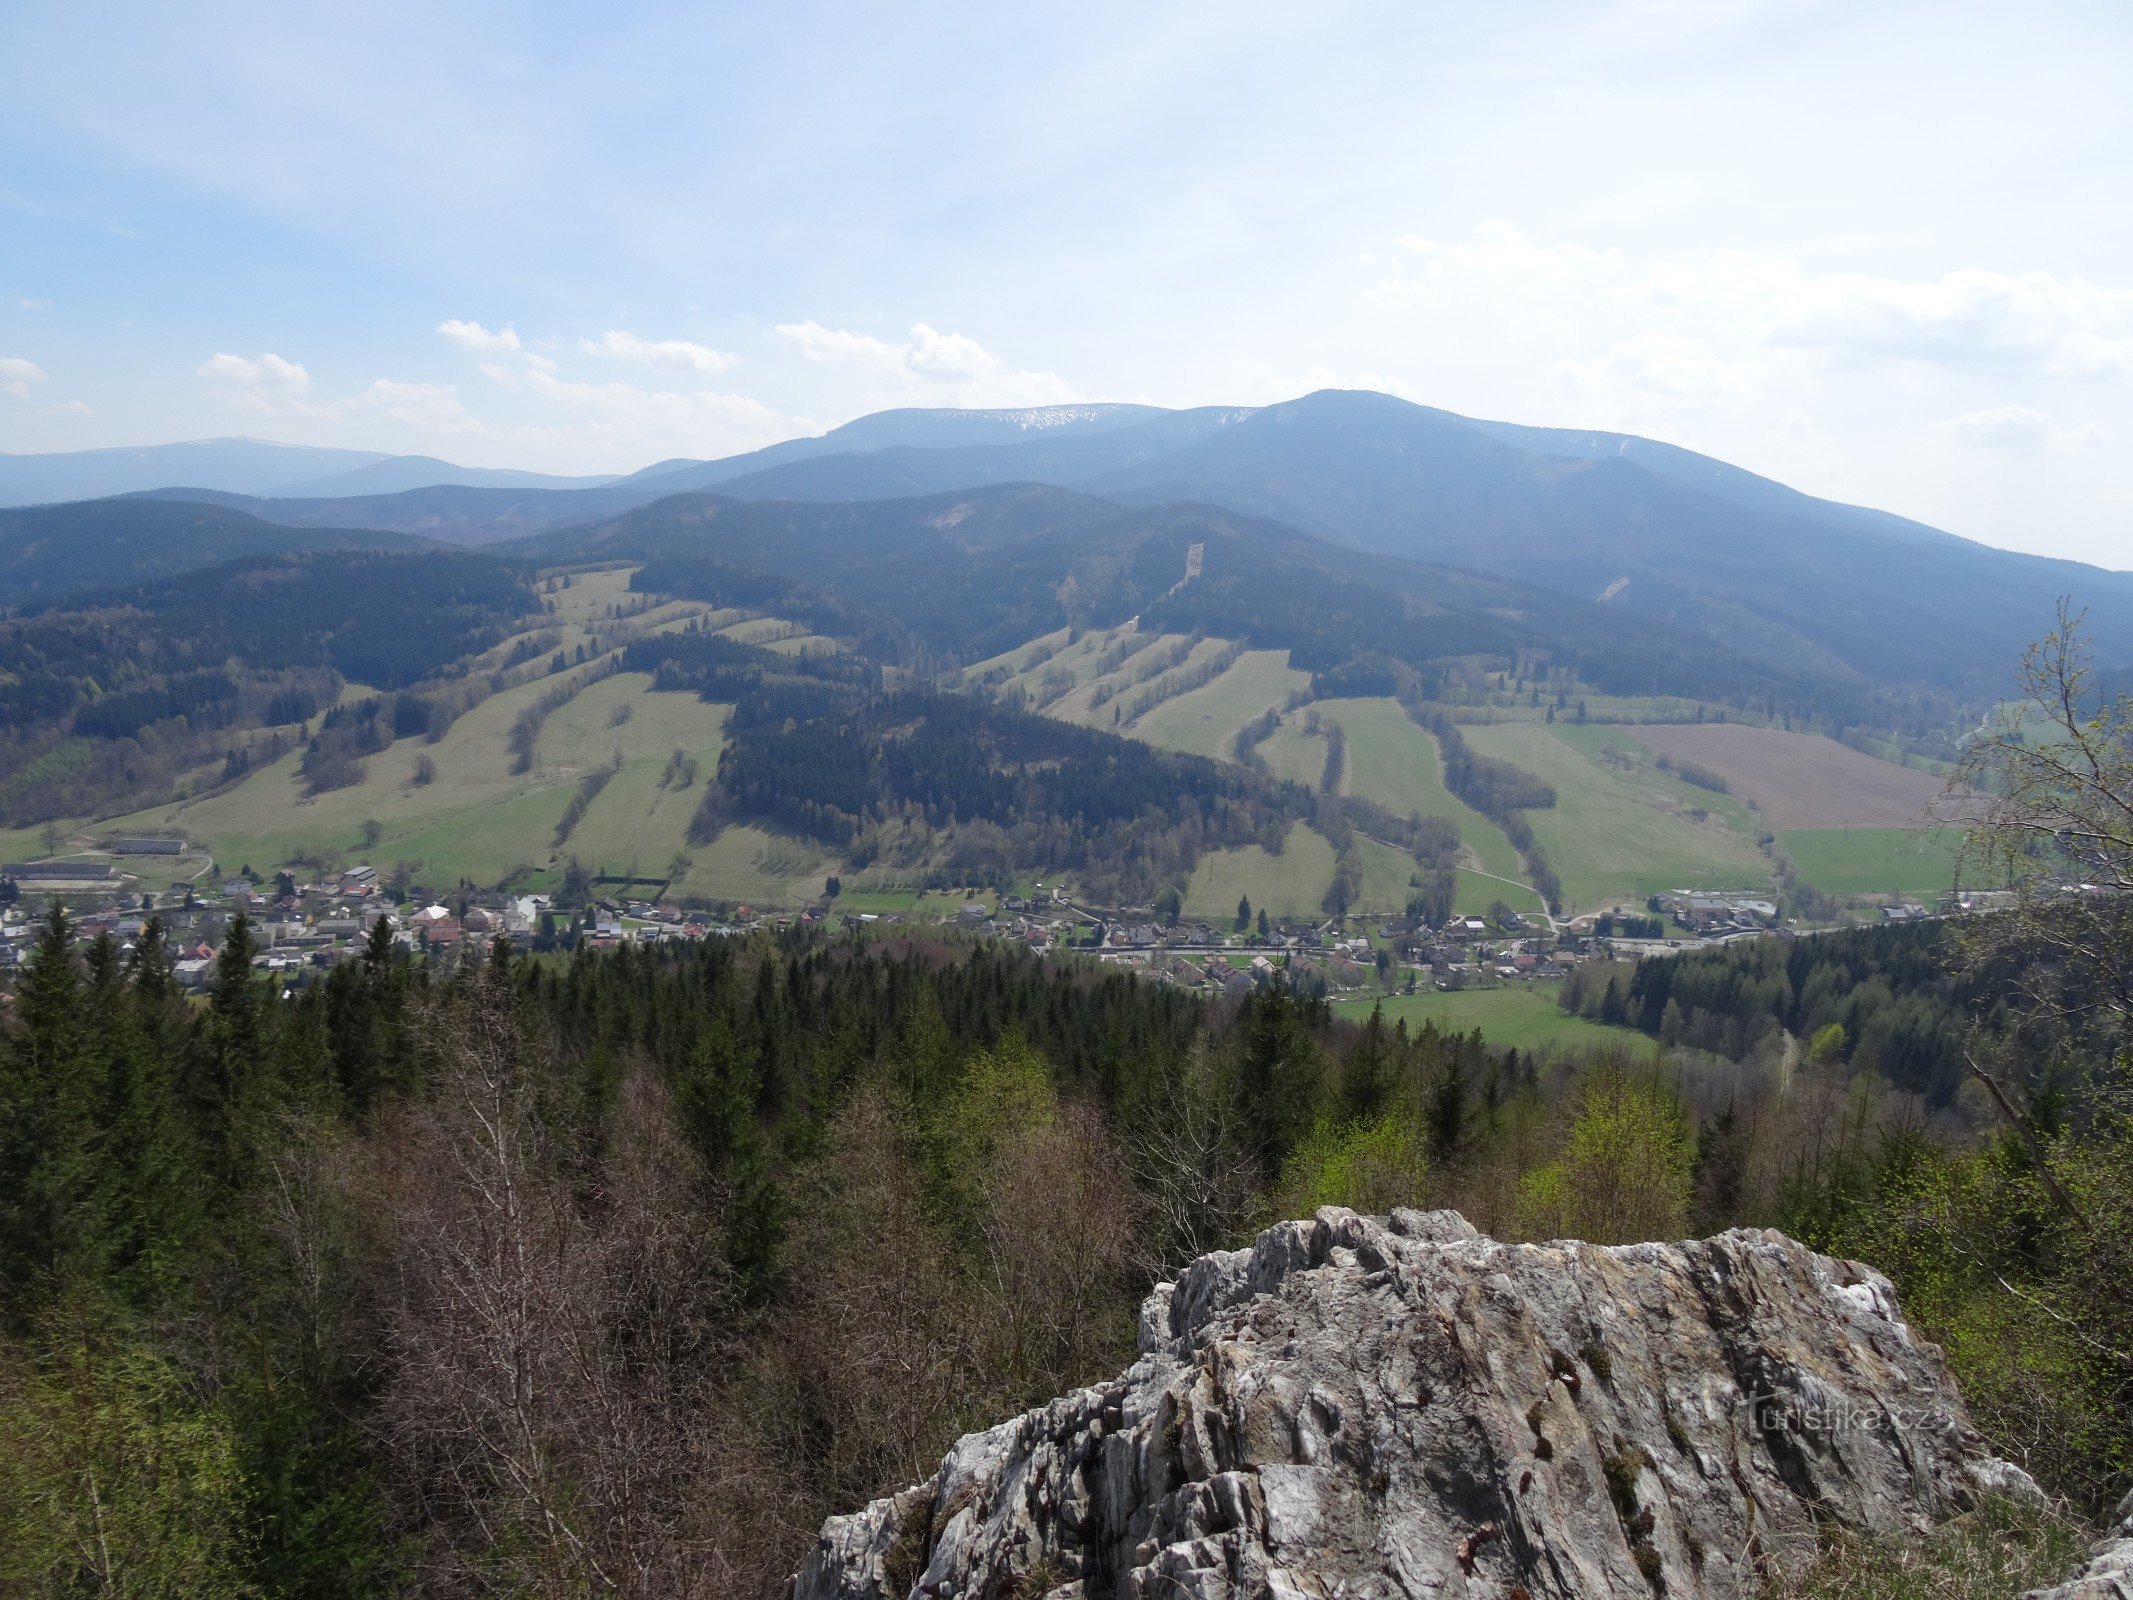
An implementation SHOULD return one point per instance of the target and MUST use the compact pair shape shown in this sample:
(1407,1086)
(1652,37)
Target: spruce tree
(45,1112)
(1367,1086)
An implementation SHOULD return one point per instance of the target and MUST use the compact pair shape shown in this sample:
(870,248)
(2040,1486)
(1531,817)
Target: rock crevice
(1397,1406)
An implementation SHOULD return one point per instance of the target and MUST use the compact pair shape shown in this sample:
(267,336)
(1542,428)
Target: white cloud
(268,382)
(266,373)
(679,354)
(473,336)
(1969,317)
(622,422)
(17,373)
(2018,427)
(1737,302)
(940,368)
(1680,371)
(428,407)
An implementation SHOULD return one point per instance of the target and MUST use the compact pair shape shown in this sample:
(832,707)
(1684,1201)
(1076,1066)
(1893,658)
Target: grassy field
(1620,829)
(1293,752)
(1847,861)
(765,869)
(1520,1016)
(1288,885)
(1123,681)
(1204,721)
(1387,878)
(477,818)
(1394,763)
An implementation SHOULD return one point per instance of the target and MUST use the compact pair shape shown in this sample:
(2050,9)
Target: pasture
(1521,1016)
(1621,830)
(1204,721)
(1394,763)
(1291,884)
(1918,862)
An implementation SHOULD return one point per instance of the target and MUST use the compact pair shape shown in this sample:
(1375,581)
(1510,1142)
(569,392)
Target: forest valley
(617,1273)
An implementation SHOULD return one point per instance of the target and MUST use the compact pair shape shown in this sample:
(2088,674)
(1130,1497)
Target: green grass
(1395,764)
(1291,884)
(1291,752)
(478,819)
(1387,870)
(1204,721)
(1620,829)
(1147,648)
(1519,1016)
(883,901)
(1847,861)
(1474,892)
(761,868)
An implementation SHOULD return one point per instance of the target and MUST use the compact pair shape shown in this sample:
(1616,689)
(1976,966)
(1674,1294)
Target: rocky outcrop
(1398,1406)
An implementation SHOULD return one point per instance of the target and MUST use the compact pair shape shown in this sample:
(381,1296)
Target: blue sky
(1881,251)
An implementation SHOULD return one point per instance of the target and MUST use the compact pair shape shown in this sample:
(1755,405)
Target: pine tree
(45,1113)
(229,1087)
(1447,1109)
(1367,1086)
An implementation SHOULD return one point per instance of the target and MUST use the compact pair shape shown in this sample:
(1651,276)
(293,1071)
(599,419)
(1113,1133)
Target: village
(301,928)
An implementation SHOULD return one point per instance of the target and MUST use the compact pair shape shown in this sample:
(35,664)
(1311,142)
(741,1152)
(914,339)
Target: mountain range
(1679,540)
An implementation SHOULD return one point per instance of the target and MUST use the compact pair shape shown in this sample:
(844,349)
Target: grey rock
(1361,1407)
(2108,1573)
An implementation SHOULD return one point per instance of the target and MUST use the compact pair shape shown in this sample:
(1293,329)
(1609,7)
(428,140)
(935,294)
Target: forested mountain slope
(47,552)
(1702,545)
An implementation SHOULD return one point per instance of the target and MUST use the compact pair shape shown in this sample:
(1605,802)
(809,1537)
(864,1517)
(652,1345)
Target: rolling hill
(451,513)
(1345,652)
(243,466)
(1805,583)
(1812,590)
(47,552)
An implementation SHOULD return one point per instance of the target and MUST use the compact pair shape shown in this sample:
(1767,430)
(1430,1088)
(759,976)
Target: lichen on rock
(1364,1406)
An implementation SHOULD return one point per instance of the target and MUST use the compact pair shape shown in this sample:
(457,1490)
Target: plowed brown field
(1799,780)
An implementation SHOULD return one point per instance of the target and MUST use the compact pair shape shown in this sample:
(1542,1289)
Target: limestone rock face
(1363,1406)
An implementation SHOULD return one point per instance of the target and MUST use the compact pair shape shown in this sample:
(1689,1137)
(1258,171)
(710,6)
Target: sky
(1882,252)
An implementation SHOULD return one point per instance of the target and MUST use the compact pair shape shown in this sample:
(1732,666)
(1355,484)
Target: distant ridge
(245,466)
(1679,539)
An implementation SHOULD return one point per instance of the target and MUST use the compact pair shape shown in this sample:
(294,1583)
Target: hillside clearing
(1849,861)
(1395,763)
(1620,830)
(1521,1016)
(1290,885)
(1205,721)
